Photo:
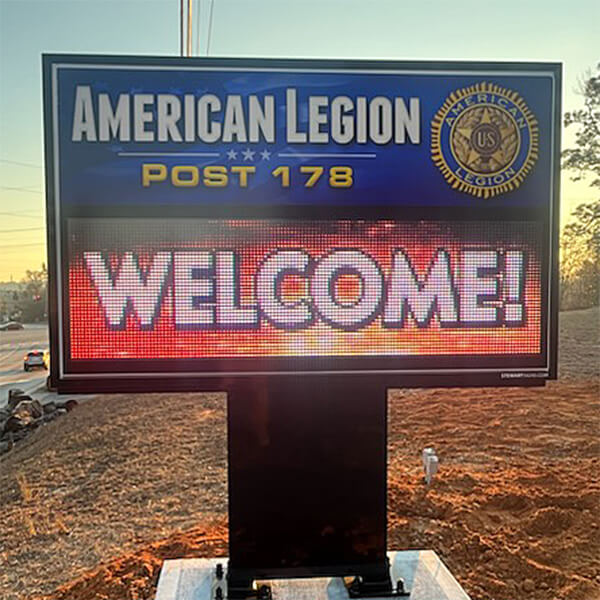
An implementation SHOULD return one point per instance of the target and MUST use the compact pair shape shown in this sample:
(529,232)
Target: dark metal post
(307,479)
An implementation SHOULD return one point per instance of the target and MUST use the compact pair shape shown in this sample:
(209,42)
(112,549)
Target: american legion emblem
(484,140)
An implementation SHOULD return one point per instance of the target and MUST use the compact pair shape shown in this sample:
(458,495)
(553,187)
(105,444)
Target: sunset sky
(387,29)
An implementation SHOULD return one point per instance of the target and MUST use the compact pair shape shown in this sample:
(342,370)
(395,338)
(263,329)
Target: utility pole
(189,28)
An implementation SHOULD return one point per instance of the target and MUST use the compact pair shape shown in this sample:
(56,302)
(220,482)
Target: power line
(198,30)
(190,23)
(3,246)
(21,230)
(21,164)
(19,189)
(210,25)
(21,214)
(181,28)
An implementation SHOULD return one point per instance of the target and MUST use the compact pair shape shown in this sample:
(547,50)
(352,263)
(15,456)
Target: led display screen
(220,219)
(259,288)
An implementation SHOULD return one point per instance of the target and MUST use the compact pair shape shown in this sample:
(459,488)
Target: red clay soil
(514,510)
(134,576)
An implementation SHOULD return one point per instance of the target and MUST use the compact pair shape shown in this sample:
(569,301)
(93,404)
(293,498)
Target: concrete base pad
(425,577)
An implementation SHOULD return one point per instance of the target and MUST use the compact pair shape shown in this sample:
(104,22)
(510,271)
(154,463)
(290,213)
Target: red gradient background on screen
(91,337)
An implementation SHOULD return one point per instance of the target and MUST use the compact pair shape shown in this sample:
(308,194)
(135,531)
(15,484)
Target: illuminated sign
(299,288)
(217,219)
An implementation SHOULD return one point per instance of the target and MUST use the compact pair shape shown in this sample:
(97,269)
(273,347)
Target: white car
(36,358)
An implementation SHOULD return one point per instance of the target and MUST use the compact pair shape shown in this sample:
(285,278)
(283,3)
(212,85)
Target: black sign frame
(115,376)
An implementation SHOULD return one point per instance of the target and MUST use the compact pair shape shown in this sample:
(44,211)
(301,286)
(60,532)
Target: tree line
(580,239)
(28,300)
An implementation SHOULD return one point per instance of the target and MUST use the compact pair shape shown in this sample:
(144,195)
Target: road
(13,347)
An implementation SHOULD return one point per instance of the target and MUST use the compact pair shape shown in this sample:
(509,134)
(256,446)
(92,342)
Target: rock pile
(23,414)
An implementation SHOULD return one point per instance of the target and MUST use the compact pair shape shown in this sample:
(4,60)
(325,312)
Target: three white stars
(248,154)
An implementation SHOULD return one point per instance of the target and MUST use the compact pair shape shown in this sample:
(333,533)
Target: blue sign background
(93,174)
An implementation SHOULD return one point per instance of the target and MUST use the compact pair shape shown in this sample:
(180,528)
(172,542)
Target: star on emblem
(265,155)
(248,154)
(231,154)
(485,129)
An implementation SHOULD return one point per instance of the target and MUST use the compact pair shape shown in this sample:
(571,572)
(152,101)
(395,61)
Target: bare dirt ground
(92,504)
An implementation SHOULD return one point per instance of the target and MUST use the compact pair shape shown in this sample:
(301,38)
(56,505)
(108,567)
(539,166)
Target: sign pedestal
(424,575)
(307,481)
